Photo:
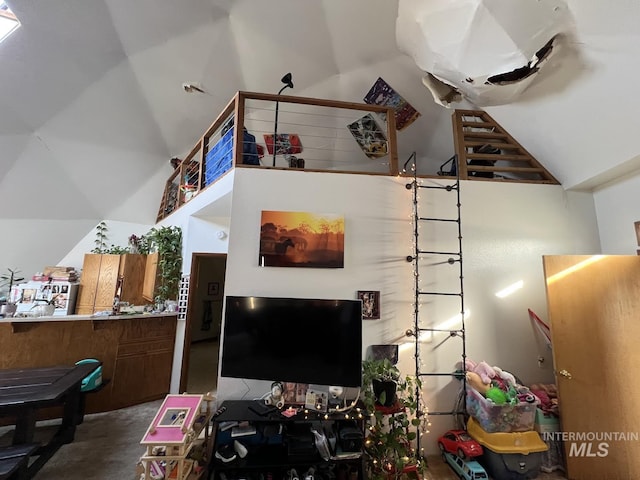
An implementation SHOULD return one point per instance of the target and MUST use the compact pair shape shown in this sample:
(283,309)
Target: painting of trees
(301,239)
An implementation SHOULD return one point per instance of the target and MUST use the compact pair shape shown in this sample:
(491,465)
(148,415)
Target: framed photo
(370,304)
(213,288)
(301,239)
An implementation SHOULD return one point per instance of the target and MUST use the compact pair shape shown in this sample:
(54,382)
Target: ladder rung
(468,123)
(438,374)
(440,253)
(453,186)
(498,156)
(440,330)
(468,134)
(439,219)
(502,146)
(440,293)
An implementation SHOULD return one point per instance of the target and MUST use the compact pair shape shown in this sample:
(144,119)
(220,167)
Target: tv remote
(219,412)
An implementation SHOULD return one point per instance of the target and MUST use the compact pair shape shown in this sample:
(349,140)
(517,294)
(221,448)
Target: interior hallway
(203,366)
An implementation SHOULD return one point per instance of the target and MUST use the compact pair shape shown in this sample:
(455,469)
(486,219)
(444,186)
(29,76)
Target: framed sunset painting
(301,239)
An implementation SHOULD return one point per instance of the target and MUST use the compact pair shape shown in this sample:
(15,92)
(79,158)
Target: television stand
(272,444)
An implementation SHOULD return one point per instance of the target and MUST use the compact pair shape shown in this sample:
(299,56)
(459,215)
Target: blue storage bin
(219,158)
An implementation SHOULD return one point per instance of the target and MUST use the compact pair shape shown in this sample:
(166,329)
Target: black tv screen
(293,340)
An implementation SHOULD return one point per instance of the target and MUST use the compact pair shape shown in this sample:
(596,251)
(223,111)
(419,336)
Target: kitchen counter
(136,351)
(67,318)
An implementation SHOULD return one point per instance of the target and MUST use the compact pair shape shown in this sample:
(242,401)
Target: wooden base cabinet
(103,275)
(136,353)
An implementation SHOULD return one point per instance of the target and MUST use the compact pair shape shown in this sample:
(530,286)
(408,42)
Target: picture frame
(213,288)
(301,239)
(370,304)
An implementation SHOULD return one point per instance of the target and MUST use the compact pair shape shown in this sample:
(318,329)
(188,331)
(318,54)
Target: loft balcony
(266,131)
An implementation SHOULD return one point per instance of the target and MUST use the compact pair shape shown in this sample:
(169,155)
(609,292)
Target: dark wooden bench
(14,460)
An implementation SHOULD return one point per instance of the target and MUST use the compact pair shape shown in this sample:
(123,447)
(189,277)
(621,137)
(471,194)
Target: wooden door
(151,274)
(132,271)
(107,281)
(594,305)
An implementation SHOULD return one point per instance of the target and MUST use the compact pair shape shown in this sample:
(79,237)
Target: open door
(594,309)
(203,323)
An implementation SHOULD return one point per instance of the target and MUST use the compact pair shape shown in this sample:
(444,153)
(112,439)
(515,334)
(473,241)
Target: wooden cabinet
(151,273)
(136,352)
(100,279)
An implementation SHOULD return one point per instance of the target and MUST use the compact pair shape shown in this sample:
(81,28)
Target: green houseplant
(167,241)
(7,280)
(391,433)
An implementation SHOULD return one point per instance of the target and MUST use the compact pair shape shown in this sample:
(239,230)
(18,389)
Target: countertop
(72,318)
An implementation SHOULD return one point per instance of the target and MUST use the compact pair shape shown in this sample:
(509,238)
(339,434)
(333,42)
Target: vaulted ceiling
(92,105)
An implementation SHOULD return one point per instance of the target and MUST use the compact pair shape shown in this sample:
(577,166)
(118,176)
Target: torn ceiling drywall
(488,51)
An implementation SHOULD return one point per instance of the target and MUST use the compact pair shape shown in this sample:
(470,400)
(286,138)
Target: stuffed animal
(476,382)
(483,369)
(509,379)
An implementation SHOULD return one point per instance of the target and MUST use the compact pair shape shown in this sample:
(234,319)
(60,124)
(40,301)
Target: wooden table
(25,391)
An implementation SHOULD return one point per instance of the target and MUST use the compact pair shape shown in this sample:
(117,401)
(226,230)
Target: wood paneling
(136,354)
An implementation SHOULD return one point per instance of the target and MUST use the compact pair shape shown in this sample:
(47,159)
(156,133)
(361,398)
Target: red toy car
(459,443)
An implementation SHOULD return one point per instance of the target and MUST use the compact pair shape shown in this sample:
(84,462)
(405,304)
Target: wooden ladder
(486,151)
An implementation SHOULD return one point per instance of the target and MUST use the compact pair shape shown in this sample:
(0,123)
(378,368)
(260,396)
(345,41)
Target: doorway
(203,323)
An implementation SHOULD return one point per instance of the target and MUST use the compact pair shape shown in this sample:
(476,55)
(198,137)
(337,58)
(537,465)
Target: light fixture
(192,87)
(288,83)
(221,234)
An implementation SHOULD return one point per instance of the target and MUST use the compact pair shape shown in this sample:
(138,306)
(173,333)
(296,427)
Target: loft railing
(311,134)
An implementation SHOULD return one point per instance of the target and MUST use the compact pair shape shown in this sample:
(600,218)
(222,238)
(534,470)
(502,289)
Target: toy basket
(500,418)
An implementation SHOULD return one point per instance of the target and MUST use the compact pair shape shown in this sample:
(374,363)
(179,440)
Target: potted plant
(167,241)
(7,281)
(389,445)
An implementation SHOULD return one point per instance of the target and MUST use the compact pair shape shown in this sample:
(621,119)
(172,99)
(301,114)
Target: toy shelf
(178,440)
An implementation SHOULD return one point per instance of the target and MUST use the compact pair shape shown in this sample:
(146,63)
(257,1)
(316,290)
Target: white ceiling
(93,108)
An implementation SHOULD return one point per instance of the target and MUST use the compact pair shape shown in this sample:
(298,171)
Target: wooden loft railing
(486,151)
(327,142)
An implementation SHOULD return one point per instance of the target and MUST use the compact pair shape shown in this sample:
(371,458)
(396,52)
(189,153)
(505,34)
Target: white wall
(616,208)
(506,229)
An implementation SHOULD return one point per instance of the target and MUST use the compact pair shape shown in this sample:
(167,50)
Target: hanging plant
(167,241)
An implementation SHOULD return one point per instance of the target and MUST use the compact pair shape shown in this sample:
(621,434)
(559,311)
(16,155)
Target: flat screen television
(302,340)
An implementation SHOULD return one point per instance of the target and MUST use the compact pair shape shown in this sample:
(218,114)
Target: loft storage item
(370,137)
(302,340)
(286,144)
(381,93)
